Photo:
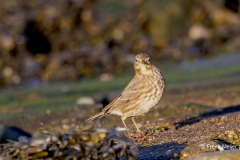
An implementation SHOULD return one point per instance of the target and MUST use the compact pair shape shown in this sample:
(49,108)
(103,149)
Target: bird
(140,96)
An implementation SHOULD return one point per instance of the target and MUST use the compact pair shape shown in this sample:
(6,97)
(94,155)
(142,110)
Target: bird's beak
(145,62)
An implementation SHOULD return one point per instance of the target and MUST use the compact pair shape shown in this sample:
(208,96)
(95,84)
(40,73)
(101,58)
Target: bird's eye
(136,60)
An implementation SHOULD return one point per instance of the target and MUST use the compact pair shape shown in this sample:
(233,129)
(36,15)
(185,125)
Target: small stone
(85,101)
(175,154)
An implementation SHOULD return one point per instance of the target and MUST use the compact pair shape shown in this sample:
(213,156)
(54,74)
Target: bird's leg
(126,127)
(133,119)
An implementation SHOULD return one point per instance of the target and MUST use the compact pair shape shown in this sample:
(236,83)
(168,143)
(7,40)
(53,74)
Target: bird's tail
(95,117)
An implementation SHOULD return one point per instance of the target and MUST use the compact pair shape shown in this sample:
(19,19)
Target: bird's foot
(136,136)
(140,134)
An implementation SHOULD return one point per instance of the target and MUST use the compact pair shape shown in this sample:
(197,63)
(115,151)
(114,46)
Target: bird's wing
(130,92)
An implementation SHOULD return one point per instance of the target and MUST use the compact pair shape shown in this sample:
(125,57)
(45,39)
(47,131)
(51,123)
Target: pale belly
(140,109)
(145,108)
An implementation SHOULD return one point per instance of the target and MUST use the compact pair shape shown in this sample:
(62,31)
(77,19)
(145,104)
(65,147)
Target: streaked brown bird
(141,94)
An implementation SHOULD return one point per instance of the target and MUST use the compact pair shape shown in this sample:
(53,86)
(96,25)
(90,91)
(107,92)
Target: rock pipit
(141,94)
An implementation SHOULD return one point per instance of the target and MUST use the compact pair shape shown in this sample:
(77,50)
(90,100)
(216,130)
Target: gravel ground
(181,125)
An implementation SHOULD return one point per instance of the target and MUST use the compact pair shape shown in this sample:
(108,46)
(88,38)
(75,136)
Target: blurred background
(67,40)
(61,61)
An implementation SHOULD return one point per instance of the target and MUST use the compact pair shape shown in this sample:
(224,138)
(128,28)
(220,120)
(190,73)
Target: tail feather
(95,117)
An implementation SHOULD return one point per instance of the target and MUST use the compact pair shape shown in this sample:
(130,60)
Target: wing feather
(130,92)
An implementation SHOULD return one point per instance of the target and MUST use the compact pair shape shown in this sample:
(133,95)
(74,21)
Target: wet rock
(12,133)
(86,142)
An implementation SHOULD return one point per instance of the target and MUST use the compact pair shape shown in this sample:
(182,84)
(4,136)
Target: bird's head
(142,63)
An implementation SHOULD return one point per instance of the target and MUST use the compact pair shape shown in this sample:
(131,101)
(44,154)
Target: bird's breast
(151,92)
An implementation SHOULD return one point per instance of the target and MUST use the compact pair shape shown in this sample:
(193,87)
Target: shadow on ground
(209,114)
(169,150)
